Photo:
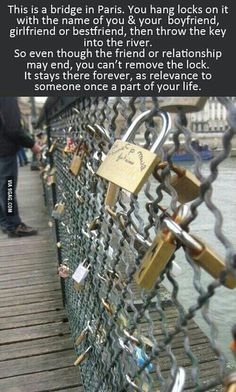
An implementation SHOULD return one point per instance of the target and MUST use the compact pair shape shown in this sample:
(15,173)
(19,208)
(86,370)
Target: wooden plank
(30,298)
(31,274)
(39,363)
(41,287)
(26,282)
(28,260)
(32,319)
(31,308)
(34,332)
(43,382)
(29,267)
(35,347)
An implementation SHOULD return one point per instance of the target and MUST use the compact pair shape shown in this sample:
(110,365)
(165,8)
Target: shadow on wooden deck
(36,353)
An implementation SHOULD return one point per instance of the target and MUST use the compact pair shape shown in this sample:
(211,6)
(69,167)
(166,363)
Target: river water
(223,303)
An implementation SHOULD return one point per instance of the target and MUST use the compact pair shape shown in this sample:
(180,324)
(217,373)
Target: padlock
(63,271)
(185,183)
(83,335)
(51,179)
(185,104)
(230,382)
(233,343)
(112,195)
(81,273)
(76,163)
(82,356)
(53,147)
(201,253)
(79,197)
(159,253)
(107,307)
(59,210)
(95,224)
(176,382)
(155,260)
(128,165)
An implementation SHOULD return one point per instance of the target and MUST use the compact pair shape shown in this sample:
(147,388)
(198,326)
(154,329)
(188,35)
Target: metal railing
(130,333)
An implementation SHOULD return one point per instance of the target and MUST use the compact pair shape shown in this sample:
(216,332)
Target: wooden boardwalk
(36,353)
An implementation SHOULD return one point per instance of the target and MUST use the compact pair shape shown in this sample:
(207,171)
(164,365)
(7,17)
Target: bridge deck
(36,353)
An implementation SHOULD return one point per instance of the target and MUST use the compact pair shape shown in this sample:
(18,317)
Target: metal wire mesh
(132,338)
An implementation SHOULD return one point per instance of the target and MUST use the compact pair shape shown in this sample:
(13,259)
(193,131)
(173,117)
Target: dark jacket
(12,135)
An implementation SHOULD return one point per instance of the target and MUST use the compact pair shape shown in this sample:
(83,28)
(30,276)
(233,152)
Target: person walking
(12,137)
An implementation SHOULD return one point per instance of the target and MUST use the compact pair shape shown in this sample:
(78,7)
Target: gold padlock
(201,253)
(59,210)
(159,253)
(128,165)
(185,104)
(83,335)
(185,183)
(95,224)
(230,382)
(155,260)
(211,262)
(82,356)
(112,194)
(53,147)
(77,160)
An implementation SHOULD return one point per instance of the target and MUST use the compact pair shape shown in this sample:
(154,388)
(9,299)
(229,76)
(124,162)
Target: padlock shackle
(166,127)
(138,121)
(182,235)
(133,128)
(177,384)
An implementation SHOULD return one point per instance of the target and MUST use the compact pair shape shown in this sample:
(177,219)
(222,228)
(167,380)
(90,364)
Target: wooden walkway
(36,353)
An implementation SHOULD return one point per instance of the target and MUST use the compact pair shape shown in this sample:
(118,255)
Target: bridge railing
(118,251)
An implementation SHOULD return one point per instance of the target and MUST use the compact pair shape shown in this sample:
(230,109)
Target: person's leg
(9,217)
(24,156)
(20,157)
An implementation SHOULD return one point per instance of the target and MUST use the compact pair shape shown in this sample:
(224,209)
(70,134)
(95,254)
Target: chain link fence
(116,249)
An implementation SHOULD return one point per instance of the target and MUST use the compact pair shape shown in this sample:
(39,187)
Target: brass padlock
(201,253)
(95,224)
(59,210)
(77,160)
(53,147)
(185,104)
(185,183)
(155,260)
(230,382)
(83,335)
(82,356)
(159,254)
(112,194)
(128,165)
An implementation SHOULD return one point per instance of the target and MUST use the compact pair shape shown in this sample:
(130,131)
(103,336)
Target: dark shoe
(22,230)
(4,230)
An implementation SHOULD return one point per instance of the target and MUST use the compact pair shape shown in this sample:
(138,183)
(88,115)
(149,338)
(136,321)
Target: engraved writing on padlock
(186,104)
(58,211)
(201,253)
(185,183)
(82,356)
(128,165)
(77,159)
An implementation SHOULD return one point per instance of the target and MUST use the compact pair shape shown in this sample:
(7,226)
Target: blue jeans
(9,218)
